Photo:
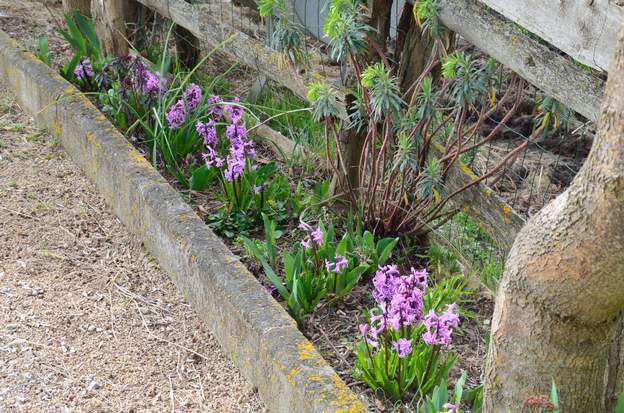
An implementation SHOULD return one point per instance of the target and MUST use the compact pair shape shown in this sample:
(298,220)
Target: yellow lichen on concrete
(346,401)
(135,210)
(138,157)
(56,128)
(514,41)
(507,215)
(306,351)
(193,259)
(292,375)
(91,138)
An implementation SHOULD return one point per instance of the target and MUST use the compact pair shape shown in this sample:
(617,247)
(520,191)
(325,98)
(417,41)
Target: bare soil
(88,321)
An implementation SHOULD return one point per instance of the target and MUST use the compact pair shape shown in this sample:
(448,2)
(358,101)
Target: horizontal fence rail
(584,29)
(546,69)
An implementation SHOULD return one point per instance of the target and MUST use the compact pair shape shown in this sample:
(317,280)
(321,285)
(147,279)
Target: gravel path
(88,322)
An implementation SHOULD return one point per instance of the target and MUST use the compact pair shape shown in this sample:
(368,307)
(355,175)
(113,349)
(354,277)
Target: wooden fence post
(82,6)
(110,24)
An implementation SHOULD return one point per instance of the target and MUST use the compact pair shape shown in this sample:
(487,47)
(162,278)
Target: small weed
(34,137)
(23,155)
(5,105)
(2,143)
(298,126)
(9,126)
(44,206)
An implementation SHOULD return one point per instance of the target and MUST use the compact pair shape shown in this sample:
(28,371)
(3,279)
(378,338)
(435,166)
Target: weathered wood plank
(540,66)
(584,29)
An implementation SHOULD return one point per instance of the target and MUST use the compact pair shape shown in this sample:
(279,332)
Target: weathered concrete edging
(259,336)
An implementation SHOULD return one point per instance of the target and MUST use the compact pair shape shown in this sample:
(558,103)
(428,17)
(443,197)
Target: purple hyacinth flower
(419,278)
(214,108)
(235,166)
(236,111)
(384,283)
(176,115)
(192,96)
(450,408)
(208,132)
(307,243)
(439,329)
(403,347)
(212,158)
(317,236)
(152,83)
(83,70)
(340,263)
(369,334)
(329,266)
(305,227)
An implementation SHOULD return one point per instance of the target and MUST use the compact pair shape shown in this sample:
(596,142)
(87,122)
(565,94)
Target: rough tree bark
(379,19)
(352,141)
(558,306)
(413,49)
(82,6)
(109,17)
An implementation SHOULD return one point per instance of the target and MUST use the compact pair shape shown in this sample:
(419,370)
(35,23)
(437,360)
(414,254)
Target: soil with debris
(88,322)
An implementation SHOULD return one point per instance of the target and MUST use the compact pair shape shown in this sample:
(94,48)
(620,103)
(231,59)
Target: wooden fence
(563,33)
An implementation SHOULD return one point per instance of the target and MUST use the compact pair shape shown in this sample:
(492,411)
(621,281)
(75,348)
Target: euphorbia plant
(403,350)
(407,151)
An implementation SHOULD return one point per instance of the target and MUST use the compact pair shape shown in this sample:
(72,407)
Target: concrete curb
(259,336)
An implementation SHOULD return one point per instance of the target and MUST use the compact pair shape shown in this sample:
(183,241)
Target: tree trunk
(558,306)
(351,144)
(379,19)
(352,141)
(82,6)
(110,24)
(414,51)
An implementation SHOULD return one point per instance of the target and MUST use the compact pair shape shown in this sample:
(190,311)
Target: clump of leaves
(552,114)
(320,266)
(287,36)
(80,34)
(345,29)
